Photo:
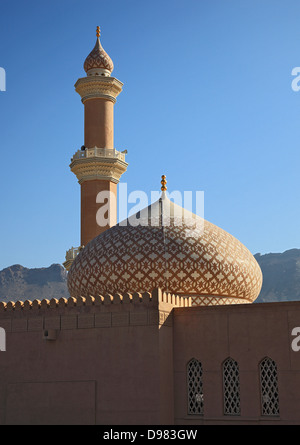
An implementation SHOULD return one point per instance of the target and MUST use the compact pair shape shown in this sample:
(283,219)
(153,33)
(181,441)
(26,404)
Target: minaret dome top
(98,62)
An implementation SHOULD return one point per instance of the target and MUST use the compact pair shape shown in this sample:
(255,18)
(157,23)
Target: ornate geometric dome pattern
(98,58)
(185,256)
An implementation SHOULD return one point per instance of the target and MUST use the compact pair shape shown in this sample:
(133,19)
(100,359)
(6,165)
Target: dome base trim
(213,300)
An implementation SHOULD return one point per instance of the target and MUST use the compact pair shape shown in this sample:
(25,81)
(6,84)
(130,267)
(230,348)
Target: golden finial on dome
(163,183)
(98,31)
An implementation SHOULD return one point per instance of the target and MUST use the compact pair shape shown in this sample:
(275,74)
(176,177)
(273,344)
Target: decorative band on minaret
(98,166)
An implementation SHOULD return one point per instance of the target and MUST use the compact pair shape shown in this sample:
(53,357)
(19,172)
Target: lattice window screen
(231,387)
(195,387)
(269,388)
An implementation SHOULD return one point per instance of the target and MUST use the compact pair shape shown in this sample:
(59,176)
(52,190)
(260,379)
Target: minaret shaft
(90,227)
(98,132)
(99,123)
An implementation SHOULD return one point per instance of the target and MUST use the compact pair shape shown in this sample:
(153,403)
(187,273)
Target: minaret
(98,166)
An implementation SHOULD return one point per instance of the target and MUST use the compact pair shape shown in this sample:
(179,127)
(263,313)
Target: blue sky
(207,100)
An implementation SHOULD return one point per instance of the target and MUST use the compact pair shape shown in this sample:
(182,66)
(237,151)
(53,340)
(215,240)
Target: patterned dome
(98,61)
(168,247)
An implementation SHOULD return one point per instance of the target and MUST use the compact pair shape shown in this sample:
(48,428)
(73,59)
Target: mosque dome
(165,246)
(98,61)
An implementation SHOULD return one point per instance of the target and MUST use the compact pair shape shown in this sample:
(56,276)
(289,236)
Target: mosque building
(160,326)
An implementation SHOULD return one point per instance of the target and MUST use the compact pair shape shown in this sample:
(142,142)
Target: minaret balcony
(71,254)
(99,163)
(100,153)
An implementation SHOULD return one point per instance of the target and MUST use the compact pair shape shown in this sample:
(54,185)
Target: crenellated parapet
(156,296)
(148,308)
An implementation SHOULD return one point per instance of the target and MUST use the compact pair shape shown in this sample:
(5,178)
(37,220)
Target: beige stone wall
(103,360)
(122,359)
(246,333)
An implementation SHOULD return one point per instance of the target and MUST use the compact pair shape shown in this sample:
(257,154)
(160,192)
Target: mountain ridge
(281,276)
(21,283)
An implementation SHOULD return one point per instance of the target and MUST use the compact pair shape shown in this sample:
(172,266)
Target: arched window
(195,387)
(269,387)
(231,388)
